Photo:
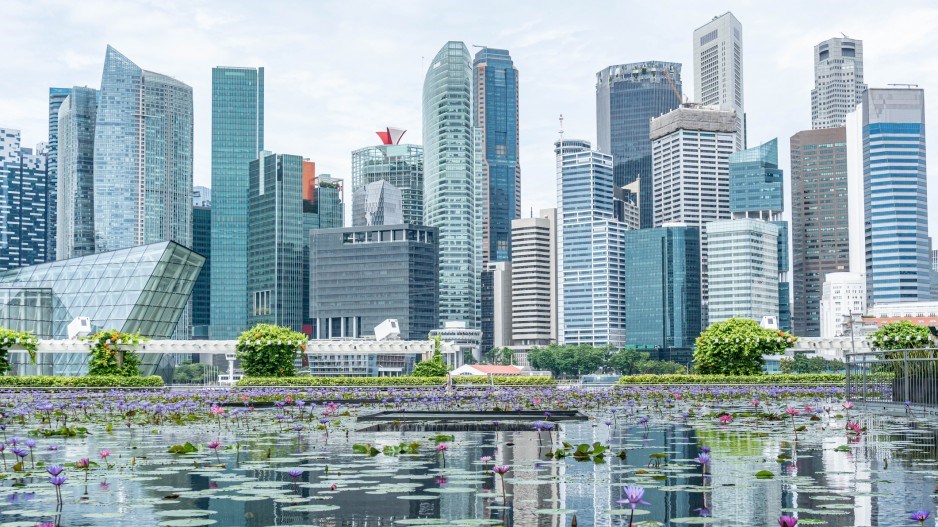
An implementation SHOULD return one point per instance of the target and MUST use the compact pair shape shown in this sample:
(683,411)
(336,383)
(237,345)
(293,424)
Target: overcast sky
(337,71)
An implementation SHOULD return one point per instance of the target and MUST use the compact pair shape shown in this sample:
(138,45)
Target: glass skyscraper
(898,267)
(399,165)
(75,145)
(56,98)
(23,205)
(449,199)
(628,96)
(496,115)
(237,138)
(202,244)
(142,157)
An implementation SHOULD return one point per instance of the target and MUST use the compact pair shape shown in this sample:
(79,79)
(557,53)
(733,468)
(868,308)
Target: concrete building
(466,341)
(496,305)
(534,280)
(820,221)
(718,69)
(202,244)
(844,296)
(923,313)
(23,194)
(838,81)
(360,276)
(400,165)
(743,271)
(377,203)
(74,136)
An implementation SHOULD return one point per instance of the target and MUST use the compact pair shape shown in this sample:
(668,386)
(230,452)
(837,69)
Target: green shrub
(767,379)
(111,353)
(506,380)
(87,381)
(736,347)
(267,350)
(499,380)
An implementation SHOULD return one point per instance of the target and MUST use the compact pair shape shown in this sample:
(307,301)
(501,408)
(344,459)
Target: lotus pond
(734,456)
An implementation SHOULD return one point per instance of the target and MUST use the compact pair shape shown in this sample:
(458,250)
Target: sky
(337,71)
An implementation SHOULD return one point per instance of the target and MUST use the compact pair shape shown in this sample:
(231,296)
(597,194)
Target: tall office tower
(690,165)
(56,97)
(237,138)
(142,157)
(591,307)
(843,296)
(449,199)
(377,203)
(276,239)
(662,293)
(329,202)
(496,114)
(628,96)
(202,244)
(743,271)
(625,200)
(23,194)
(820,234)
(496,305)
(898,257)
(323,208)
(75,173)
(399,165)
(718,69)
(534,280)
(838,81)
(757,191)
(934,259)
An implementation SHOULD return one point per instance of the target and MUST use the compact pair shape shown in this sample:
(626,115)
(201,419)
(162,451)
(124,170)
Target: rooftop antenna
(844,34)
(903,85)
(561,128)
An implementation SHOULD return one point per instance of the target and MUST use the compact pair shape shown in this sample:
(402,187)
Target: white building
(464,339)
(856,216)
(718,69)
(743,271)
(534,279)
(838,81)
(502,279)
(843,295)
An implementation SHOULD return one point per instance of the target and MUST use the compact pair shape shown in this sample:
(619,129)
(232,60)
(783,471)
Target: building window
(261,303)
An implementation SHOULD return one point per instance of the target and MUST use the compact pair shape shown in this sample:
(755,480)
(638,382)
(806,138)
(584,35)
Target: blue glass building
(56,98)
(496,115)
(75,179)
(628,96)
(237,138)
(895,199)
(202,244)
(23,205)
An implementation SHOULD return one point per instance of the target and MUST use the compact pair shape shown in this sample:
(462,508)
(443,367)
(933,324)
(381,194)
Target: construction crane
(680,99)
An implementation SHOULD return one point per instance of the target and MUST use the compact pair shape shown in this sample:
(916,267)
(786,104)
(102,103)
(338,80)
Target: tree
(736,347)
(506,357)
(901,335)
(660,367)
(626,360)
(267,350)
(543,359)
(801,363)
(433,367)
(111,353)
(9,338)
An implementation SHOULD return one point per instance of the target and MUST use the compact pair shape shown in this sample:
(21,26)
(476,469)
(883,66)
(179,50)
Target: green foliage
(736,347)
(582,452)
(660,367)
(88,381)
(111,353)
(187,448)
(901,335)
(365,449)
(431,368)
(187,373)
(569,360)
(626,360)
(502,356)
(10,338)
(765,474)
(305,380)
(763,379)
(804,364)
(62,431)
(267,350)
(403,448)
(506,380)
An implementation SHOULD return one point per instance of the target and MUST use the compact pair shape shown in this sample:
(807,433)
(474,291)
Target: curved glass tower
(448,141)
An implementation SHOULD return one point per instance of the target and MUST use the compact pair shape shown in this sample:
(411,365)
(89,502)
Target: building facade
(718,69)
(820,221)
(534,280)
(843,298)
(360,276)
(400,165)
(838,81)
(628,96)
(77,115)
(496,305)
(23,203)
(237,138)
(743,270)
(449,141)
(377,203)
(202,244)
(56,97)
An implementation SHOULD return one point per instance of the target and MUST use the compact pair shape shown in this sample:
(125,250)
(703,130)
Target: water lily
(787,521)
(295,473)
(726,419)
(501,470)
(215,445)
(855,427)
(703,459)
(441,449)
(54,470)
(920,516)
(633,496)
(58,480)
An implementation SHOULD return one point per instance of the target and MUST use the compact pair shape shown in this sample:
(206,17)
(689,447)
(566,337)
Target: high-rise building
(202,244)
(838,81)
(496,305)
(898,257)
(56,98)
(75,173)
(375,204)
(23,194)
(276,239)
(361,276)
(820,227)
(400,165)
(718,69)
(591,266)
(628,96)
(534,280)
(662,291)
(743,269)
(449,141)
(328,203)
(843,297)
(496,114)
(142,157)
(237,138)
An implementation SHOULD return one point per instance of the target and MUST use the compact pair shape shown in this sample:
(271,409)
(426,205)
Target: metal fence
(893,377)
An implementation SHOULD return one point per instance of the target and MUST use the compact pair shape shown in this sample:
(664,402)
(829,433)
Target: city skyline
(324,108)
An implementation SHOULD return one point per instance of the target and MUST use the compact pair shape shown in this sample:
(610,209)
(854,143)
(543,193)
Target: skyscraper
(628,96)
(838,81)
(142,157)
(743,269)
(202,244)
(820,226)
(591,306)
(377,203)
(496,115)
(23,194)
(718,69)
(449,140)
(75,145)
(898,258)
(56,97)
(399,165)
(534,279)
(237,138)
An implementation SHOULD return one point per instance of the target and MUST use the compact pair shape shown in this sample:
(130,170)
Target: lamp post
(231,360)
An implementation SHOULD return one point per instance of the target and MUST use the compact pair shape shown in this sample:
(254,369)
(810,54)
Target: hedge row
(770,379)
(87,381)
(507,380)
(501,380)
